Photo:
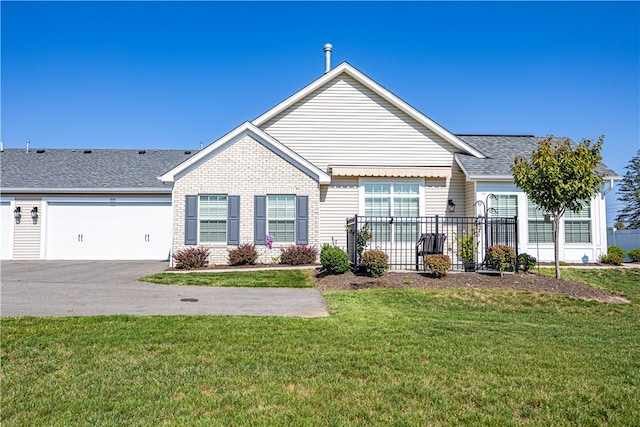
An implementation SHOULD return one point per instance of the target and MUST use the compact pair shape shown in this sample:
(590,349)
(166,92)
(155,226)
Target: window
(398,200)
(212,215)
(505,206)
(577,226)
(539,230)
(281,217)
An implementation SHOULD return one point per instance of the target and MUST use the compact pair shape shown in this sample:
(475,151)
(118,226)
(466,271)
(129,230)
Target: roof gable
(361,78)
(234,136)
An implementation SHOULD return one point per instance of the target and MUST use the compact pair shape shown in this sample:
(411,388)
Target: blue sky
(172,74)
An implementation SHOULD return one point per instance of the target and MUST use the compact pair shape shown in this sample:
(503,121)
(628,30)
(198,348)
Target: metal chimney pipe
(327,57)
(28,142)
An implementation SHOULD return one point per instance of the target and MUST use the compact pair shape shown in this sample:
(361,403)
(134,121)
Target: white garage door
(6,230)
(108,231)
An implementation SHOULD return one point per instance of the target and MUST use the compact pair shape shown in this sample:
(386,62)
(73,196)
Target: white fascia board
(490,178)
(381,91)
(249,129)
(466,174)
(116,200)
(153,190)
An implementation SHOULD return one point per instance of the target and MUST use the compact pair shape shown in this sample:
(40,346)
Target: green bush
(438,264)
(376,262)
(614,256)
(189,258)
(634,254)
(333,259)
(501,257)
(617,251)
(298,255)
(611,259)
(526,262)
(244,254)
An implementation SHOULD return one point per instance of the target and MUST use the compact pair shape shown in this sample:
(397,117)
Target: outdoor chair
(429,244)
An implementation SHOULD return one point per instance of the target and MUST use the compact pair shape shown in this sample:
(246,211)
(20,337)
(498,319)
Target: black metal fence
(406,240)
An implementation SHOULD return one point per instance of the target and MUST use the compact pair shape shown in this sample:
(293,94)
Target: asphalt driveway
(90,288)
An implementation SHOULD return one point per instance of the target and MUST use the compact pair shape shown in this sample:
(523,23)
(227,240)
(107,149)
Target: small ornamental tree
(629,194)
(559,177)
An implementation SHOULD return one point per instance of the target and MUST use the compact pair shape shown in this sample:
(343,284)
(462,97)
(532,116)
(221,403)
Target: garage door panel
(108,231)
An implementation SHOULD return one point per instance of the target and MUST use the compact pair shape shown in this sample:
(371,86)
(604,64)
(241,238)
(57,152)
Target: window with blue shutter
(302,220)
(233,222)
(260,220)
(191,220)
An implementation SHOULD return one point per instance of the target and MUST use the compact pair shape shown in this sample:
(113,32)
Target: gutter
(154,190)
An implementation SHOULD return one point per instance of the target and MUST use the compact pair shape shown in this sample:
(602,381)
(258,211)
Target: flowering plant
(364,235)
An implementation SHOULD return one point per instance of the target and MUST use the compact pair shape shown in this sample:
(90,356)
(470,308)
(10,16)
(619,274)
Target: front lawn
(247,279)
(401,357)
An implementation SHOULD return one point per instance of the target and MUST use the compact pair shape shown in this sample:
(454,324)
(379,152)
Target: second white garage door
(108,231)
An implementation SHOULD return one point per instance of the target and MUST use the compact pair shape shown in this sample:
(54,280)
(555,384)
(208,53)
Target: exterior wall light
(451,205)
(17,215)
(34,214)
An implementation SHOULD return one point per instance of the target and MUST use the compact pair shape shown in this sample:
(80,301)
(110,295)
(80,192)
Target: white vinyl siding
(346,123)
(27,235)
(577,226)
(539,230)
(338,201)
(281,217)
(212,217)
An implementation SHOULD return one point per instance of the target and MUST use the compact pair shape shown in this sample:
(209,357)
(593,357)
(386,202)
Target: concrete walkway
(90,288)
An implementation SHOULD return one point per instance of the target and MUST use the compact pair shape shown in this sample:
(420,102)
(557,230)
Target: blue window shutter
(302,220)
(191,220)
(260,220)
(233,220)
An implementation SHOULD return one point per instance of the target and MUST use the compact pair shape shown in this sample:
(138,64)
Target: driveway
(90,288)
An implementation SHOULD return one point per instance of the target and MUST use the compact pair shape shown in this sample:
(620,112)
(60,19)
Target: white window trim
(591,229)
(294,219)
(200,241)
(364,181)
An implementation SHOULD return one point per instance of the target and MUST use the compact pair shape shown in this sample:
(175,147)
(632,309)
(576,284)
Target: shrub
(634,254)
(334,259)
(298,255)
(616,251)
(501,257)
(526,262)
(376,262)
(244,254)
(614,256)
(189,258)
(438,264)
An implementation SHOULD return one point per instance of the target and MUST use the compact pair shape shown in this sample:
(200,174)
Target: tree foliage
(629,194)
(560,176)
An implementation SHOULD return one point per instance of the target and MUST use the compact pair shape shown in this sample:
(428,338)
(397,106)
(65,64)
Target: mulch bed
(521,281)
(405,280)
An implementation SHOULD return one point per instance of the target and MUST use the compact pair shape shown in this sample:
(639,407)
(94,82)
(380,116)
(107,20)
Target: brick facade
(245,168)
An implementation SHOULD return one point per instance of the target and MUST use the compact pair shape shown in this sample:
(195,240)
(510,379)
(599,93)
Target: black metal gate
(406,240)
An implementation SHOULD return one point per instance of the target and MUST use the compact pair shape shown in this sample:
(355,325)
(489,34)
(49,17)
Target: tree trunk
(556,240)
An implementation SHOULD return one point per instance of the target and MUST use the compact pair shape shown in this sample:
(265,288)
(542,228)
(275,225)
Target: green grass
(247,279)
(384,357)
(622,281)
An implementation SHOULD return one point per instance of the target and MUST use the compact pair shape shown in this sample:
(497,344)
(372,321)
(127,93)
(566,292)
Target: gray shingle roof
(500,151)
(74,169)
